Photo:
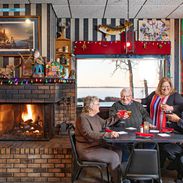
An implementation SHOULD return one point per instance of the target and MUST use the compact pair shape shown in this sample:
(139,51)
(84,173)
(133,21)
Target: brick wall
(43,161)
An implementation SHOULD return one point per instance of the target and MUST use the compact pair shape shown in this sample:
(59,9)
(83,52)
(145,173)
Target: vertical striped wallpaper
(83,29)
(48,23)
(86,30)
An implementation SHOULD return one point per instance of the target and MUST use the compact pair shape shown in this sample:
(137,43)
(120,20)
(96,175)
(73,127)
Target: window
(105,78)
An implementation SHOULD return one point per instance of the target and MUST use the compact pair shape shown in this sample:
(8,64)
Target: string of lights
(23,81)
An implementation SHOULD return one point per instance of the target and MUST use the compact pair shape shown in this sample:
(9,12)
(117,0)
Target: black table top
(131,137)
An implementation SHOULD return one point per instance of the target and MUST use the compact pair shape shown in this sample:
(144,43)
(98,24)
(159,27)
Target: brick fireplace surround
(39,161)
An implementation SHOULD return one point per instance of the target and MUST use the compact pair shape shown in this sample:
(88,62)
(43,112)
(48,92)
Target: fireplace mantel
(32,93)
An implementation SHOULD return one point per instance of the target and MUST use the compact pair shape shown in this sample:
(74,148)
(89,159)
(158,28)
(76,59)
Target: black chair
(80,164)
(143,163)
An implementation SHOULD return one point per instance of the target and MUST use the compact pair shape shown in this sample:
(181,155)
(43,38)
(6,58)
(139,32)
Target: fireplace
(26,121)
(29,112)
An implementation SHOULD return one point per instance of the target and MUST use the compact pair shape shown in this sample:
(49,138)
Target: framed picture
(154,30)
(18,35)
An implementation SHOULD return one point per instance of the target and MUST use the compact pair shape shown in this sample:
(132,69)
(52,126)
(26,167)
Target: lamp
(27,21)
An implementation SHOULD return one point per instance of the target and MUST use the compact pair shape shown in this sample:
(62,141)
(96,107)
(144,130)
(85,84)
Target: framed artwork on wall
(154,30)
(18,35)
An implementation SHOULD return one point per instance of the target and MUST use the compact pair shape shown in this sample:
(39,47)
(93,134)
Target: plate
(154,131)
(122,133)
(131,128)
(163,135)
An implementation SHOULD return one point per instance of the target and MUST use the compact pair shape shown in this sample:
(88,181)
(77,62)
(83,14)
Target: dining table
(131,135)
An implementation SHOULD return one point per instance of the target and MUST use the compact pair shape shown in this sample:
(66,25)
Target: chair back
(144,163)
(73,144)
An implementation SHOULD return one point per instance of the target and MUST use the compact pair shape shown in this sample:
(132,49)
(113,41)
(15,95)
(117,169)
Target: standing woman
(163,100)
(88,132)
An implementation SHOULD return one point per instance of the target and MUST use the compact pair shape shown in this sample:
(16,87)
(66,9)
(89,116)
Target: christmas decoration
(38,68)
(55,69)
(8,71)
(84,46)
(26,81)
(119,47)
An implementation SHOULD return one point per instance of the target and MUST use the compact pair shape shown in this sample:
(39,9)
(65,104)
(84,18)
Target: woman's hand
(165,107)
(173,117)
(114,134)
(111,134)
(152,126)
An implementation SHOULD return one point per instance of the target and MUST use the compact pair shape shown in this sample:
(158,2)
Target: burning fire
(28,115)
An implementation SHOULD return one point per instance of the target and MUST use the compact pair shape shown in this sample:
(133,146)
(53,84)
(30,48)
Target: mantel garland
(26,81)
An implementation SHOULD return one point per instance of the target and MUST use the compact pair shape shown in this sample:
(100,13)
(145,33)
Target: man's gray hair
(127,90)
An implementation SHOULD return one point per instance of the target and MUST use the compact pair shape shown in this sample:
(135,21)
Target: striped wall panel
(86,29)
(48,22)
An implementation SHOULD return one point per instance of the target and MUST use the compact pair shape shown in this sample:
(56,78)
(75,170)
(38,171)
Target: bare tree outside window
(105,77)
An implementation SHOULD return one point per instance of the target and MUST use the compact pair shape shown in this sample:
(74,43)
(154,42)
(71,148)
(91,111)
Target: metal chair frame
(80,164)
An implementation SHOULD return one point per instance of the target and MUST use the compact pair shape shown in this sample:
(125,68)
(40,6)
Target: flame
(29,114)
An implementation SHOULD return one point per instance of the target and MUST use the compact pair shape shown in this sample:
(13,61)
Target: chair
(143,164)
(80,164)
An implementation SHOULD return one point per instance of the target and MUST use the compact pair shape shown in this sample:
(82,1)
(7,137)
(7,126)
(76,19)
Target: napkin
(144,134)
(108,130)
(166,130)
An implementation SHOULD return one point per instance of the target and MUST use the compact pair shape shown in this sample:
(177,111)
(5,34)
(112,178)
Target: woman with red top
(162,101)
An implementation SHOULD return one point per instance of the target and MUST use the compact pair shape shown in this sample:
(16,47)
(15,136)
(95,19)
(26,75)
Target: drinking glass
(122,124)
(146,127)
(129,113)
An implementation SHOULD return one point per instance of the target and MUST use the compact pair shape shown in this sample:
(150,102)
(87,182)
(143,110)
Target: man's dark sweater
(138,116)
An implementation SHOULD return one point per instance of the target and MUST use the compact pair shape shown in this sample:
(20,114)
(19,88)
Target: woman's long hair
(162,80)
(87,103)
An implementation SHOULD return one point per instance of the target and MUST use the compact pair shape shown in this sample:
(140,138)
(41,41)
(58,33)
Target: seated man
(136,118)
(138,113)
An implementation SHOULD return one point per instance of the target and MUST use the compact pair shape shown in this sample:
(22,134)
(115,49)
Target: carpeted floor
(91,175)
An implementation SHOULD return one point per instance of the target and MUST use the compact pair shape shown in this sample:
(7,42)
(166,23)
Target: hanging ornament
(84,46)
(160,46)
(145,45)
